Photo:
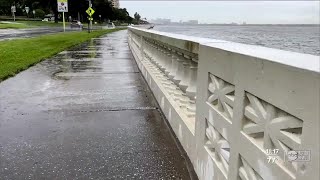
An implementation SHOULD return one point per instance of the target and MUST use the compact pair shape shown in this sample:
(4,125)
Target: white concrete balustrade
(231,104)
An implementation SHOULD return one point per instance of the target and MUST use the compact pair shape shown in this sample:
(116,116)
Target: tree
(137,17)
(76,8)
(5,6)
(103,8)
(39,13)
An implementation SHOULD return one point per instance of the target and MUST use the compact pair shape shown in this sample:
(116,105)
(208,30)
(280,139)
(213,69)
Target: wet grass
(13,26)
(30,24)
(42,23)
(18,55)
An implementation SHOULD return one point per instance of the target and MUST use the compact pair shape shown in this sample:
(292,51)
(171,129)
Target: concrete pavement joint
(122,109)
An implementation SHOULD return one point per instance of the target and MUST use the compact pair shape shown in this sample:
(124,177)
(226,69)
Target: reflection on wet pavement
(85,114)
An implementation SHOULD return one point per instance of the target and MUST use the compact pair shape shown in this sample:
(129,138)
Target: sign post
(90,12)
(27,10)
(13,10)
(63,7)
(64,23)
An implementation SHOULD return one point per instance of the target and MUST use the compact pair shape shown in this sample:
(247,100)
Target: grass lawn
(30,24)
(13,26)
(18,55)
(35,24)
(42,23)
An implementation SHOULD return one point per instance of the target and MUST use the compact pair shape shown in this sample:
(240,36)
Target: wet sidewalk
(85,114)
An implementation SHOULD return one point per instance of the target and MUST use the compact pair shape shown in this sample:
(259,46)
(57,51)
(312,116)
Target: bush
(40,13)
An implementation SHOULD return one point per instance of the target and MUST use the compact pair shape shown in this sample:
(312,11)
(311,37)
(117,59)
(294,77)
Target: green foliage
(39,13)
(122,15)
(18,55)
(77,9)
(137,16)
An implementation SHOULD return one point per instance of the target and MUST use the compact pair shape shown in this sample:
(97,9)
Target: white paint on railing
(294,59)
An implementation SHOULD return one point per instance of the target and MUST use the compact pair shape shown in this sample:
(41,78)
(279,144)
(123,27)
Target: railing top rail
(189,43)
(293,59)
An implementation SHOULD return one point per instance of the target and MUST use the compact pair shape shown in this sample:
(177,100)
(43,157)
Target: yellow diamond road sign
(90,11)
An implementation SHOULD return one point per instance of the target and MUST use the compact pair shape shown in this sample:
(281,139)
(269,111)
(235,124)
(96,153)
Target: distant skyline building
(193,22)
(161,21)
(213,12)
(169,21)
(115,3)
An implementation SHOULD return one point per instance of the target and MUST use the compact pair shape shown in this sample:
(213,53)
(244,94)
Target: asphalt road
(7,34)
(87,113)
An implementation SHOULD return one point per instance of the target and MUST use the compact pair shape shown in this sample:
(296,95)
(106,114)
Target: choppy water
(297,38)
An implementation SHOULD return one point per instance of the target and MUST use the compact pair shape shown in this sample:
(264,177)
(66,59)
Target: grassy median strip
(28,24)
(18,55)
(42,23)
(13,26)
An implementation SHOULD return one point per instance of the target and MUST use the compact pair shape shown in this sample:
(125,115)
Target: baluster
(142,50)
(155,54)
(154,58)
(191,108)
(147,52)
(159,62)
(184,83)
(163,67)
(152,53)
(179,72)
(170,87)
(192,89)
(168,61)
(163,58)
(177,95)
(158,56)
(174,65)
(147,47)
(167,82)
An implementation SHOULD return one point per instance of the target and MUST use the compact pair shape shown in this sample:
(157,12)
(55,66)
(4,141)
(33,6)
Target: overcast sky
(254,12)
